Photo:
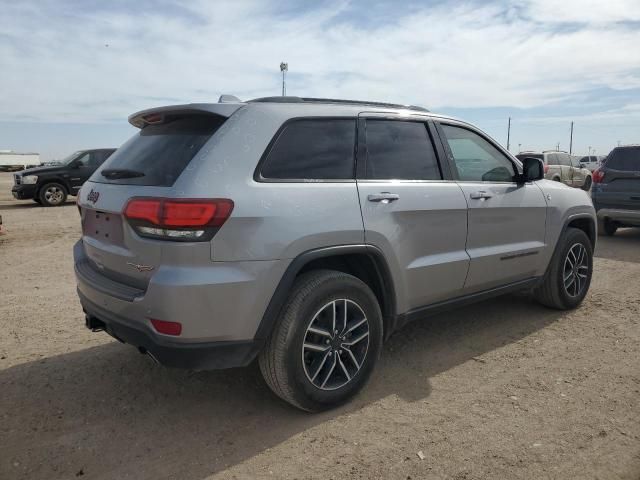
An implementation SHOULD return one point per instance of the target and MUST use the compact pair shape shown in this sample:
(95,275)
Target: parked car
(562,167)
(590,162)
(616,189)
(50,185)
(303,232)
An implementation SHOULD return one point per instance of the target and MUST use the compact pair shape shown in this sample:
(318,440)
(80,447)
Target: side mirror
(532,170)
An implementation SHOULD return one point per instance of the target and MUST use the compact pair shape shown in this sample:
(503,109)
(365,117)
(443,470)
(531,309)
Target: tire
(308,378)
(37,200)
(52,194)
(609,227)
(557,290)
(557,179)
(587,184)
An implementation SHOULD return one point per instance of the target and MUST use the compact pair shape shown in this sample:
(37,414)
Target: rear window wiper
(117,173)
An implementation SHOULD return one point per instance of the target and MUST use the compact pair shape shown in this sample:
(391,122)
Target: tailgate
(112,248)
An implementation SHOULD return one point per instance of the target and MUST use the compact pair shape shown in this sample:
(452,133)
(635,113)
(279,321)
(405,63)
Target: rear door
(620,187)
(506,221)
(411,208)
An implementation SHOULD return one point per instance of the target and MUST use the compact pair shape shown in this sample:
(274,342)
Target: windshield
(69,159)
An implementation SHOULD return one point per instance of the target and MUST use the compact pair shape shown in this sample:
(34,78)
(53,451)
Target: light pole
(508,133)
(284,68)
(519,147)
(589,151)
(571,140)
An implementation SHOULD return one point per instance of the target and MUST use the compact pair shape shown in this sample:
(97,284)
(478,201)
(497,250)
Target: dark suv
(616,189)
(50,185)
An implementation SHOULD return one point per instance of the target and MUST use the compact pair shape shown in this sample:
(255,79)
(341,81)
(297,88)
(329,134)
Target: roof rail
(287,99)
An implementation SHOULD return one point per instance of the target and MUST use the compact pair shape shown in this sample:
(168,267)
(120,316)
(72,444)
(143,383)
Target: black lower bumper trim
(23,192)
(192,356)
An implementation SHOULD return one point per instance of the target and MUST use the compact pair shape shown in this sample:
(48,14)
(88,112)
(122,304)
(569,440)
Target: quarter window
(320,149)
(475,158)
(400,150)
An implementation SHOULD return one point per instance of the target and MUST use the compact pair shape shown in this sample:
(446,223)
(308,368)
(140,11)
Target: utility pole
(571,140)
(558,147)
(508,133)
(284,68)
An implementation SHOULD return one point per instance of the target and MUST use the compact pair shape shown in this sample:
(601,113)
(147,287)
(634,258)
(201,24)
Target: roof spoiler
(155,115)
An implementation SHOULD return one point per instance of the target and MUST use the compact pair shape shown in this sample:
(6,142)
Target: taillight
(546,168)
(597,176)
(186,220)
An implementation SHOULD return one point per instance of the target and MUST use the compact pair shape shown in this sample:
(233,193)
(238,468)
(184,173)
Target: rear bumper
(23,192)
(219,304)
(192,356)
(631,217)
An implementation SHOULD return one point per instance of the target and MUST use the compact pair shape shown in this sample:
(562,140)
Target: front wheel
(326,342)
(52,194)
(568,276)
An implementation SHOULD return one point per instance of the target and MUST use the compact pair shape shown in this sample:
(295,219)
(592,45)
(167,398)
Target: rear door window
(159,153)
(624,159)
(313,149)
(400,150)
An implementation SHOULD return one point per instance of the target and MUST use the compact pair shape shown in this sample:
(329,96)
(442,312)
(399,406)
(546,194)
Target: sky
(73,70)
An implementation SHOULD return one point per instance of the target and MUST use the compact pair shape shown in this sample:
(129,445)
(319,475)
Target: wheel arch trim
(279,296)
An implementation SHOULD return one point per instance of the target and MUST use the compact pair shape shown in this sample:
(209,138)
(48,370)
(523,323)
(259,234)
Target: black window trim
(517,165)
(362,158)
(257,174)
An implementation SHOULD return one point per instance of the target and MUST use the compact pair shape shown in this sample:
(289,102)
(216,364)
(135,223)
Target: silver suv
(303,232)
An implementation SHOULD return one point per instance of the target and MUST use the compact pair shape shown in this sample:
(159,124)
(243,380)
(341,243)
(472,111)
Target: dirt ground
(504,389)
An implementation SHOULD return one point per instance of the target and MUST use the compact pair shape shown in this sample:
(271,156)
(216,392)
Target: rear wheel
(568,276)
(587,184)
(610,227)
(326,342)
(52,194)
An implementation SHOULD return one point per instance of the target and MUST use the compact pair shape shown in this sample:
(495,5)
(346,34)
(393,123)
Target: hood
(41,170)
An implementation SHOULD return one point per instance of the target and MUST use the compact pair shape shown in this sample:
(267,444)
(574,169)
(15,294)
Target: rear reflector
(178,219)
(167,328)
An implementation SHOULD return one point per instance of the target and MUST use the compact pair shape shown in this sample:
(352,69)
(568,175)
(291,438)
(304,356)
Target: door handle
(383,197)
(480,195)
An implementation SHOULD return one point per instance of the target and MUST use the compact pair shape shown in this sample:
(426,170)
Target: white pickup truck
(11,161)
(590,162)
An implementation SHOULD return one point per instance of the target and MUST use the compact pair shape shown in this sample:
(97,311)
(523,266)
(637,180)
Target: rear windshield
(627,159)
(159,153)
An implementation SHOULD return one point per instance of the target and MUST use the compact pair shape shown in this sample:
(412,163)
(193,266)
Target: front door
(411,209)
(80,170)
(506,221)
